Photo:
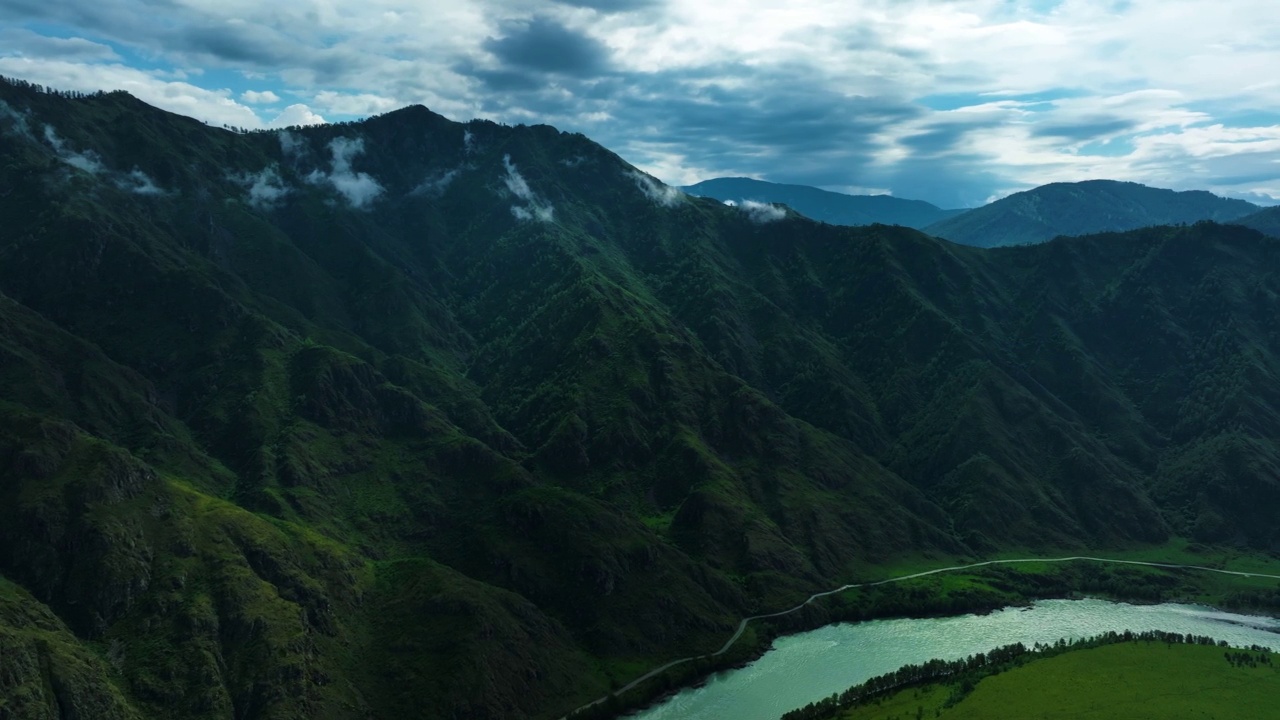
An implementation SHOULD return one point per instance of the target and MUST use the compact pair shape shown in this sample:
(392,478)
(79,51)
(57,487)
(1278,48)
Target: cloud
(255,97)
(468,142)
(20,41)
(435,185)
(292,145)
(359,189)
(1085,129)
(18,120)
(135,181)
(87,161)
(297,115)
(948,100)
(265,189)
(236,40)
(613,6)
(544,45)
(661,194)
(138,183)
(515,182)
(214,106)
(761,213)
(354,104)
(536,207)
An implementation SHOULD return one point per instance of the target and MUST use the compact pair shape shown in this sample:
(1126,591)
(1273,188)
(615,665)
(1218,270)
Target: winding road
(742,626)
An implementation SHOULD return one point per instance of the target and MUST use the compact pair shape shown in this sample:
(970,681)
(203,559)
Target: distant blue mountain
(1266,221)
(1084,208)
(830,207)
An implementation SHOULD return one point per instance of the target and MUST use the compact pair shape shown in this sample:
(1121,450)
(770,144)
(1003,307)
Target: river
(809,666)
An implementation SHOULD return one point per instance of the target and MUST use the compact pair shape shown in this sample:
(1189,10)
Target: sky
(956,102)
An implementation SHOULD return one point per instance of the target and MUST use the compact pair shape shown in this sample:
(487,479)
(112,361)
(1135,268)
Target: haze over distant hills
(1266,221)
(1083,208)
(824,205)
(415,418)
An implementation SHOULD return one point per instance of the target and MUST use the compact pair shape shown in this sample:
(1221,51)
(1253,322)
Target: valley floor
(1215,578)
(1132,681)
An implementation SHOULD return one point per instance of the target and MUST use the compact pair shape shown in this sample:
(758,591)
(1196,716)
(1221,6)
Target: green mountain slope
(824,205)
(1083,208)
(416,417)
(1265,221)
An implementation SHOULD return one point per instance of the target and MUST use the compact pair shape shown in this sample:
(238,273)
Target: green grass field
(1130,681)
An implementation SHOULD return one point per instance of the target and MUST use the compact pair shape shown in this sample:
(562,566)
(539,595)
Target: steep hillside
(824,205)
(464,420)
(1265,221)
(1083,208)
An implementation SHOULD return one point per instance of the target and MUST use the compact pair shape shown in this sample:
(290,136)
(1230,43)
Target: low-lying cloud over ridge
(135,181)
(264,189)
(358,188)
(761,213)
(656,191)
(536,208)
(87,161)
(138,183)
(435,185)
(17,121)
(951,101)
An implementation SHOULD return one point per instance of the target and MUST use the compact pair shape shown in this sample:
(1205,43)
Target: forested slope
(465,420)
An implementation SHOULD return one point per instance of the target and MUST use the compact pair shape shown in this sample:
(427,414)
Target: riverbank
(951,590)
(813,666)
(963,675)
(1128,679)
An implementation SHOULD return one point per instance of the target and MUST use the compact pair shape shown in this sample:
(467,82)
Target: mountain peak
(1083,208)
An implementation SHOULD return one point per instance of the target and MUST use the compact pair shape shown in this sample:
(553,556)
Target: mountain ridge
(1265,221)
(824,205)
(1083,208)
(414,416)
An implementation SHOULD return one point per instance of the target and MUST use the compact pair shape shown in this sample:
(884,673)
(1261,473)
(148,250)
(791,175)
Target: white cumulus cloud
(297,114)
(254,97)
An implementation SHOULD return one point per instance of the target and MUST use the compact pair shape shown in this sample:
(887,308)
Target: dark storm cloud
(254,44)
(1084,130)
(544,45)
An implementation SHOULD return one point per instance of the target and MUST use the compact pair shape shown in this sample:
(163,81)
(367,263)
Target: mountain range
(1266,221)
(1031,216)
(411,417)
(824,205)
(1084,208)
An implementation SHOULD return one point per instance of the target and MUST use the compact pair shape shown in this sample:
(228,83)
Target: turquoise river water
(810,666)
